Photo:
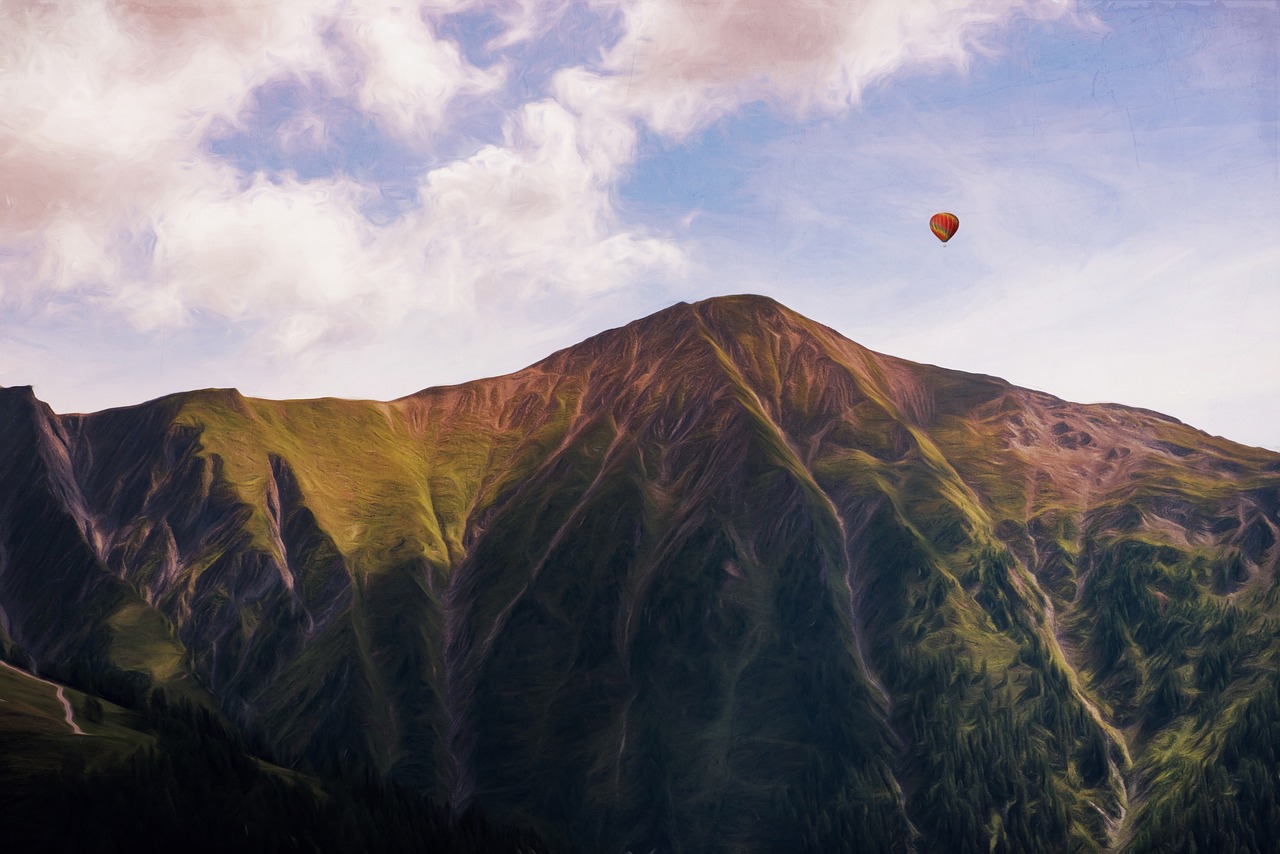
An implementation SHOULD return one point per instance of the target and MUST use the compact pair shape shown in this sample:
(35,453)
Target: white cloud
(111,196)
(531,218)
(681,64)
(273,249)
(535,213)
(105,108)
(408,76)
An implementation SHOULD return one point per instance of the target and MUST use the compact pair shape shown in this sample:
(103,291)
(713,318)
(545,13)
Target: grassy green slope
(950,620)
(293,554)
(35,738)
(1151,546)
(630,632)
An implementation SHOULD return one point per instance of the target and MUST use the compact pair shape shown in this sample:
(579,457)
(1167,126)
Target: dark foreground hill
(719,580)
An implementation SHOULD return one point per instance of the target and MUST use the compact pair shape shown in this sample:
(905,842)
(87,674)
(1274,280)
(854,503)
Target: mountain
(719,580)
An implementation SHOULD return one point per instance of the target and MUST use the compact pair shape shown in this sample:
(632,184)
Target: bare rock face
(719,580)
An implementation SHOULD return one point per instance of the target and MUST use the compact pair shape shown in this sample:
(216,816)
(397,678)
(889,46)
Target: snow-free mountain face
(719,580)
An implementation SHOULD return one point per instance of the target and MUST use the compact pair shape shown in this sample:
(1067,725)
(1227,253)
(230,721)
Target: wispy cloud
(1146,323)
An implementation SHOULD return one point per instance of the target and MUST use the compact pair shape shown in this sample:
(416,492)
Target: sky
(357,198)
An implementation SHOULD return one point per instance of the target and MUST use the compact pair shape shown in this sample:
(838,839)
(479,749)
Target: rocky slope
(719,580)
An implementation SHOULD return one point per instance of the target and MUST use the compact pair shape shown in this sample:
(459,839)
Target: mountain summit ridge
(716,580)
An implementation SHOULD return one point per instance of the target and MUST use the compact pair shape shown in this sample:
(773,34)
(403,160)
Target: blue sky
(363,199)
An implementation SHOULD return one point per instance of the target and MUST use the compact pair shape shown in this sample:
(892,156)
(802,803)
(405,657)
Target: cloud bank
(112,193)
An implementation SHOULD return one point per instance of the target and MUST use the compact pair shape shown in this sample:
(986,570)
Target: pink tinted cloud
(108,188)
(106,106)
(102,143)
(683,63)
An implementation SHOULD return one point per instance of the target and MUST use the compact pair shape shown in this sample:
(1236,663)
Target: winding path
(58,693)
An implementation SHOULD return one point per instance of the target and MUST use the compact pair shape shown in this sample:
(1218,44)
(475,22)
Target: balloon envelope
(944,225)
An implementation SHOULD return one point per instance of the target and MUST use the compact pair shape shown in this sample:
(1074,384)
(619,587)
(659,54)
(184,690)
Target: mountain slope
(719,580)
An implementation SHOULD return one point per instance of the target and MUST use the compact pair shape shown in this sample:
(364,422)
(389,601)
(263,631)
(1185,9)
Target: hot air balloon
(944,225)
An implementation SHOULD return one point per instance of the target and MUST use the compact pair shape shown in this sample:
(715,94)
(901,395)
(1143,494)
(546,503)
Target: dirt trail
(58,693)
(66,705)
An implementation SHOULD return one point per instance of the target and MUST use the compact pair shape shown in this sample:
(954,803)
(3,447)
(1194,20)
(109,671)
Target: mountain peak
(717,580)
